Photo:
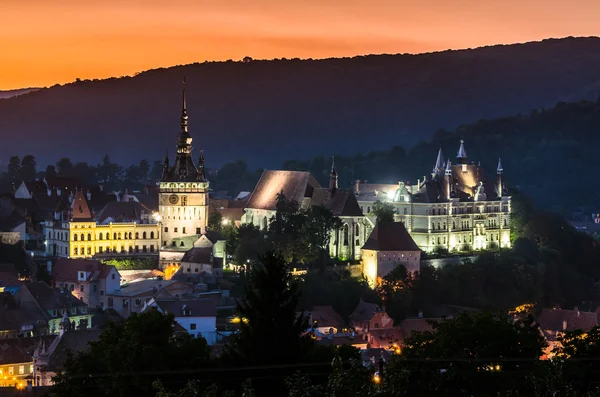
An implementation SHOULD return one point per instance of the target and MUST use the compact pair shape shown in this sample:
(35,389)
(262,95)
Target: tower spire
(461,157)
(500,179)
(333,177)
(499,170)
(184,116)
(439,164)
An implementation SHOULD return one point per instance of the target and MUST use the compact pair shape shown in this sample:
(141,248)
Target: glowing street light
(156,216)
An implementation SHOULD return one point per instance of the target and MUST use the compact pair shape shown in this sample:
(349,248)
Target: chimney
(357,186)
(564,325)
(49,192)
(420,314)
(89,195)
(58,192)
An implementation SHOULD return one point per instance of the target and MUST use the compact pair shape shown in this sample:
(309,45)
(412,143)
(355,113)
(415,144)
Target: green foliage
(301,235)
(132,263)
(458,355)
(383,211)
(215,222)
(274,332)
(127,357)
(340,291)
(246,243)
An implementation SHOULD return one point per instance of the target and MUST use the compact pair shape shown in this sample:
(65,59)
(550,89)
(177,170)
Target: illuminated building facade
(459,208)
(74,233)
(303,188)
(183,200)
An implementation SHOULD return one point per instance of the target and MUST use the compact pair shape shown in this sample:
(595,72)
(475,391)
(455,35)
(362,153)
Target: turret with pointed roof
(183,169)
(461,157)
(500,180)
(439,164)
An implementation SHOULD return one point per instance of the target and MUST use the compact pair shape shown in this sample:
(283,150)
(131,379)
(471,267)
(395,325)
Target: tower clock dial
(173,199)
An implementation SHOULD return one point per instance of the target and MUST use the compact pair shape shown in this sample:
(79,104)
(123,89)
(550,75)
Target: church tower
(183,194)
(333,178)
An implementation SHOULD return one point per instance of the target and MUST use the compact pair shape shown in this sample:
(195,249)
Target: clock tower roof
(184,169)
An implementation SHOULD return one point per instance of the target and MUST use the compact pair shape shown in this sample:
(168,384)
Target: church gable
(295,185)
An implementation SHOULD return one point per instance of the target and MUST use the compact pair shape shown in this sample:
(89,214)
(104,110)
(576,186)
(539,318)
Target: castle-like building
(460,208)
(183,198)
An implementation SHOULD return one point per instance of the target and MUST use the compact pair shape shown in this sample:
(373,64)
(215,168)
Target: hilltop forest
(267,111)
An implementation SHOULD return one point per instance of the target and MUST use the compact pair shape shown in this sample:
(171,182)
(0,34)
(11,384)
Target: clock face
(173,199)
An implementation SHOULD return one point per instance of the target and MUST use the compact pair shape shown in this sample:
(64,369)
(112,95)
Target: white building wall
(205,326)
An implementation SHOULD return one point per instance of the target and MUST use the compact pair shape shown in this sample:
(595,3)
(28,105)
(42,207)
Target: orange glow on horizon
(48,42)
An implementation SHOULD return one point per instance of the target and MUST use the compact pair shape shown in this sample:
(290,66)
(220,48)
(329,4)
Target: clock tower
(183,197)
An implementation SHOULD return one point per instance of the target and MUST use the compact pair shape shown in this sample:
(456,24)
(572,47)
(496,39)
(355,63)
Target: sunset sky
(44,42)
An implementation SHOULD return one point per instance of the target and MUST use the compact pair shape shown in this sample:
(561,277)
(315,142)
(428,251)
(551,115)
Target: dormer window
(81,276)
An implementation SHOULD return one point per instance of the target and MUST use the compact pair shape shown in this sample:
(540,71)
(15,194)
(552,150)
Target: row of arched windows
(116,236)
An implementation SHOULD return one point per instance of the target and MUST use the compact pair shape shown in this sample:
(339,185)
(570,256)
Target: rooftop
(390,236)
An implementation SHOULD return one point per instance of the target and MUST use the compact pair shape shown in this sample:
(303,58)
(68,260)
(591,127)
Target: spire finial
(333,177)
(184,104)
(332,164)
(448,168)
(499,170)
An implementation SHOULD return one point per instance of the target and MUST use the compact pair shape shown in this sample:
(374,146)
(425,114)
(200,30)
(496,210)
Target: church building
(303,188)
(460,208)
(183,199)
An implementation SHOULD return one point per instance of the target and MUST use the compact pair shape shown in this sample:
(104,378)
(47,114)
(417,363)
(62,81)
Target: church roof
(183,170)
(198,255)
(390,236)
(341,203)
(295,185)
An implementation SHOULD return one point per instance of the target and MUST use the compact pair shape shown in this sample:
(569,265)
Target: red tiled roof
(390,236)
(553,320)
(385,337)
(79,208)
(364,311)
(341,203)
(411,325)
(121,211)
(67,269)
(327,317)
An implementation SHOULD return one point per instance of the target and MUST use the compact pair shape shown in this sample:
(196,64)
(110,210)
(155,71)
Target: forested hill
(267,111)
(550,154)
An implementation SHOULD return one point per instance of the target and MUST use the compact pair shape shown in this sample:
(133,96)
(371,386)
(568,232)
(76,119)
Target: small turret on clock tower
(183,197)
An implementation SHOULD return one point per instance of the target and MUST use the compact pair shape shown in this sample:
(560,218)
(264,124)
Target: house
(124,211)
(88,280)
(40,304)
(394,338)
(132,297)
(388,246)
(49,358)
(554,322)
(231,210)
(16,359)
(206,257)
(368,316)
(197,316)
(325,321)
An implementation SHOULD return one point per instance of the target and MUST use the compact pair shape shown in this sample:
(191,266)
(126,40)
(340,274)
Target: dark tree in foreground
(272,331)
(129,356)
(470,354)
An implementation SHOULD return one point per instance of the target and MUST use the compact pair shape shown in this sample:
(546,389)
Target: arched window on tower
(74,237)
(151,234)
(144,235)
(114,236)
(137,235)
(89,237)
(82,237)
(264,223)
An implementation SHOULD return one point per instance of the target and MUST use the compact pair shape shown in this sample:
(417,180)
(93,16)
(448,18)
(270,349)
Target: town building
(555,322)
(43,308)
(303,188)
(197,316)
(73,232)
(132,297)
(16,360)
(460,208)
(324,320)
(368,316)
(183,198)
(388,246)
(88,280)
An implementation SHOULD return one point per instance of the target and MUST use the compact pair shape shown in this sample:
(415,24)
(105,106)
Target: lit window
(11,370)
